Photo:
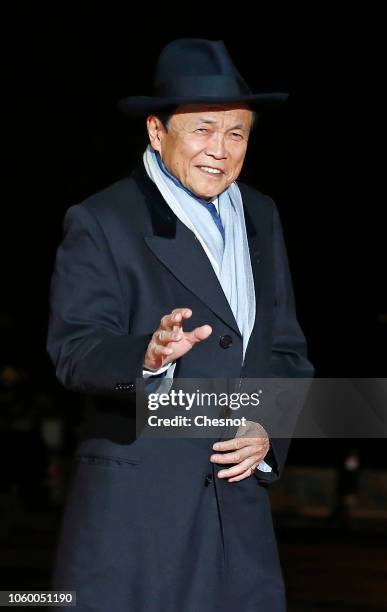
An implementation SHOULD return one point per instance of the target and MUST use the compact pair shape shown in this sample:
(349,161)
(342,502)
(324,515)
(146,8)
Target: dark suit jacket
(126,261)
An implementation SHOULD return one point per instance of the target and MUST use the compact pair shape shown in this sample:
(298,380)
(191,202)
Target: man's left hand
(248,448)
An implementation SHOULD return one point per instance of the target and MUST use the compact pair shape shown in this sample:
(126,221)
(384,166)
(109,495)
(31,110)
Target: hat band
(213,86)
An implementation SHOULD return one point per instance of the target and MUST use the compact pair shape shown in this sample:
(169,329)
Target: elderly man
(175,272)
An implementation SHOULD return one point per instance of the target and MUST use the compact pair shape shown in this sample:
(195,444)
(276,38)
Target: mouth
(210,171)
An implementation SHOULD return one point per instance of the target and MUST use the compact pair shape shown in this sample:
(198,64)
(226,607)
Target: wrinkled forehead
(215,113)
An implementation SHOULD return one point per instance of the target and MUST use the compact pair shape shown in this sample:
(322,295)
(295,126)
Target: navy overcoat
(148,527)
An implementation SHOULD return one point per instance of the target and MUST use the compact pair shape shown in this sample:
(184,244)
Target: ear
(155,132)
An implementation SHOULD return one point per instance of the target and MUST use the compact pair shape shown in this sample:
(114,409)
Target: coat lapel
(184,256)
(179,250)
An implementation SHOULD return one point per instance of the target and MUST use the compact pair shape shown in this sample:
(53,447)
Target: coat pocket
(105,461)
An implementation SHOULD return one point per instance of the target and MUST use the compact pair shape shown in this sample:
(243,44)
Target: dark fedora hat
(197,71)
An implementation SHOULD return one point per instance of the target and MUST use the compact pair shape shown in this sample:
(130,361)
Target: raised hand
(170,341)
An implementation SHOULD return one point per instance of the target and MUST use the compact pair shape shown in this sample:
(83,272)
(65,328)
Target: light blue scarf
(230,259)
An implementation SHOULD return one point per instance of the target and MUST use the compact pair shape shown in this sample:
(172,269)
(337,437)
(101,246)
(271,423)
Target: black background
(63,139)
(321,158)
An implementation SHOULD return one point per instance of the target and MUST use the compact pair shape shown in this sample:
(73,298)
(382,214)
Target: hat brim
(145,105)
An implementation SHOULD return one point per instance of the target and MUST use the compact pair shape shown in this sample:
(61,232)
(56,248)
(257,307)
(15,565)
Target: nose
(216,146)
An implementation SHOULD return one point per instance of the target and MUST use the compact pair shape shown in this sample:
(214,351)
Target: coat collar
(180,251)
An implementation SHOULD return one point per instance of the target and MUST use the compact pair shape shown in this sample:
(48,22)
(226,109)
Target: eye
(202,130)
(236,136)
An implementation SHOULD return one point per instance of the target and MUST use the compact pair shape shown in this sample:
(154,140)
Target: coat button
(225,341)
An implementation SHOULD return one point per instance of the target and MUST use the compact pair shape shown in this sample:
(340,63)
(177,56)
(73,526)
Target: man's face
(204,146)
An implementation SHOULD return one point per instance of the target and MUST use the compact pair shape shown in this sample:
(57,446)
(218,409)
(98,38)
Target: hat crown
(197,71)
(194,57)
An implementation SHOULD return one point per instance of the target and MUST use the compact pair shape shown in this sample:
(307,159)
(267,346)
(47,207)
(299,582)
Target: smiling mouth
(213,172)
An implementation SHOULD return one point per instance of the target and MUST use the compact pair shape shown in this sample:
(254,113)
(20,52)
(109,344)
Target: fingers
(237,443)
(257,448)
(157,352)
(199,333)
(160,349)
(242,470)
(174,320)
(164,337)
(246,454)
(169,342)
(245,474)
